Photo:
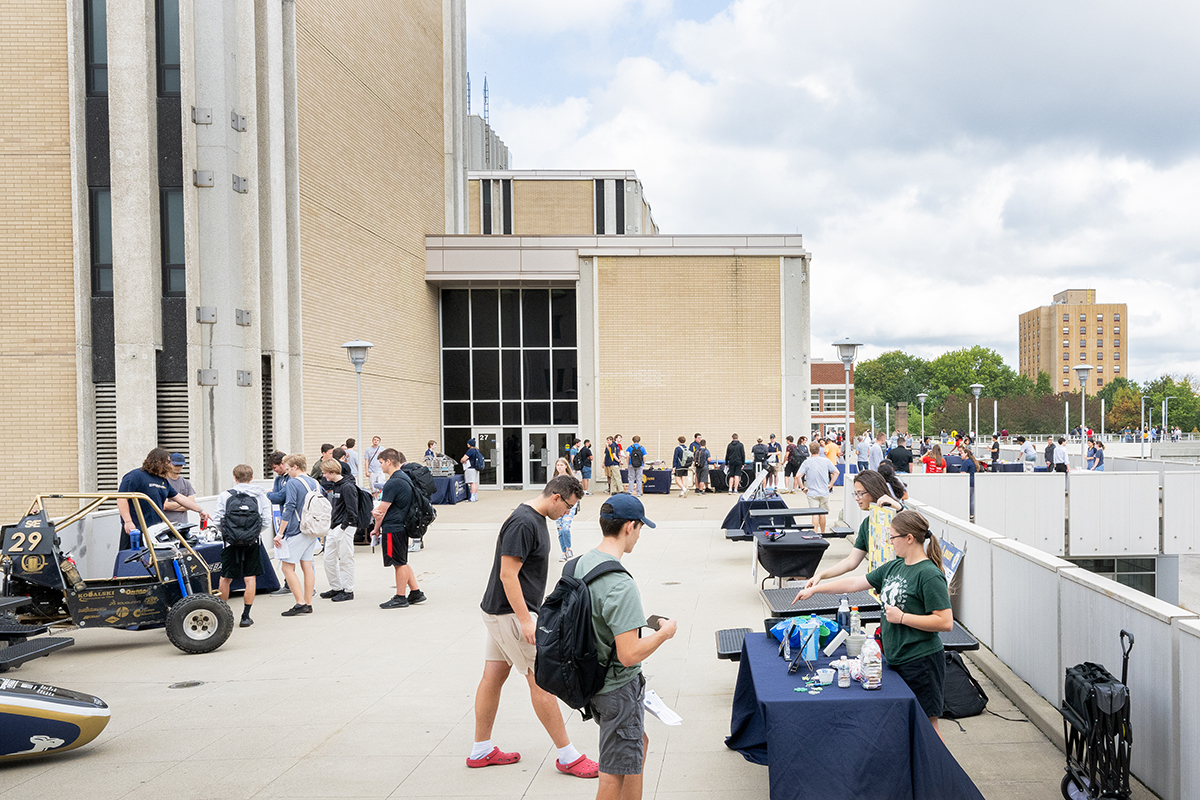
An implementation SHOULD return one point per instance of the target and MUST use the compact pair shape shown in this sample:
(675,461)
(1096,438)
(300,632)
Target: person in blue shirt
(150,480)
(297,547)
(637,461)
(471,461)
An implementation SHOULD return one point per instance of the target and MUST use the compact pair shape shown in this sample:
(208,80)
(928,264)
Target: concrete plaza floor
(356,701)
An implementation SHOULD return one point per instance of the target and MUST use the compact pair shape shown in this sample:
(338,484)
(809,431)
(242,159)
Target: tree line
(1024,405)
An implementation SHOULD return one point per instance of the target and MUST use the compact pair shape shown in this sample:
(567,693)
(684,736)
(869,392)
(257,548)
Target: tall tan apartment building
(1075,329)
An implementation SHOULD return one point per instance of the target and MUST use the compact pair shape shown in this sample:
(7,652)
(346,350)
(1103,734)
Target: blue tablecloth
(450,489)
(739,515)
(211,553)
(841,742)
(654,481)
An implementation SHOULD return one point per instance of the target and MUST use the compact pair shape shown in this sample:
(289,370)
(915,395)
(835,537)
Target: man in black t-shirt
(390,516)
(515,589)
(995,451)
(900,456)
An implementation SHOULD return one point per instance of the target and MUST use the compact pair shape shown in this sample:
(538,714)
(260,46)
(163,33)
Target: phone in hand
(655,621)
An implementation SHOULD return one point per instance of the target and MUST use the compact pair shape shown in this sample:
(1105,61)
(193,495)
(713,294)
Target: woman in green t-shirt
(916,602)
(869,488)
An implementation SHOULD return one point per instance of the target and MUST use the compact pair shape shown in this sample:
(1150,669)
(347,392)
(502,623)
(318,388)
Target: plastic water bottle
(855,621)
(843,613)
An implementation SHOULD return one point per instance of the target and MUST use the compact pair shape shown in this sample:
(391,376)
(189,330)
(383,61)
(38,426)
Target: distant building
(1075,329)
(557,202)
(828,397)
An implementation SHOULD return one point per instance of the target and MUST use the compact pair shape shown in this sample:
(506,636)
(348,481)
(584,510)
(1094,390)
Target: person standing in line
(391,514)
(758,452)
(637,461)
(298,547)
(1050,454)
(1062,462)
(695,445)
(242,561)
(1090,462)
(563,467)
(735,459)
(773,457)
(994,450)
(472,462)
(278,496)
(515,589)
(901,457)
(862,453)
(791,466)
(875,456)
(1099,459)
(617,620)
(585,465)
(374,470)
(702,458)
(612,465)
(352,458)
(339,542)
(175,513)
(817,474)
(680,461)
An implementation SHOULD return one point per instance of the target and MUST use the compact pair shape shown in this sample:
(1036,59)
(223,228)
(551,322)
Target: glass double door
(521,457)
(542,448)
(488,442)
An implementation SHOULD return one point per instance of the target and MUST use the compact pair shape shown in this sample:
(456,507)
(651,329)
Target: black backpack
(366,504)
(567,664)
(577,464)
(477,462)
(421,477)
(243,522)
(635,456)
(420,515)
(795,458)
(963,696)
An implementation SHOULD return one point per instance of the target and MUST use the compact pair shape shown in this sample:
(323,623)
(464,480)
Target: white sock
(568,754)
(481,749)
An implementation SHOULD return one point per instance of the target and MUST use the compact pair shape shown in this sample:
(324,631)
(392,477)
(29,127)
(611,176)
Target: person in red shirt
(933,461)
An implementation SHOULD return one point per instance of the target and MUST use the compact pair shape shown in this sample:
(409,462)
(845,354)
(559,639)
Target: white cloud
(950,166)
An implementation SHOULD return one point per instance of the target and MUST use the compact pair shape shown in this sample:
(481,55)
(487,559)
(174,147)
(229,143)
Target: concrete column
(274,312)
(85,394)
(610,207)
(587,315)
(633,207)
(796,333)
(137,254)
(295,368)
(454,90)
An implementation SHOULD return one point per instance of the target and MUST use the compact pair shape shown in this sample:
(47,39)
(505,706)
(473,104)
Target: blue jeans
(564,534)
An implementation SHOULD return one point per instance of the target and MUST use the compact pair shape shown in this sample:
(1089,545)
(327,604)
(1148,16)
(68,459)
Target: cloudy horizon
(949,166)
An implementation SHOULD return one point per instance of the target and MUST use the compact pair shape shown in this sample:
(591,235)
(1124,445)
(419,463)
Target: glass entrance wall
(509,358)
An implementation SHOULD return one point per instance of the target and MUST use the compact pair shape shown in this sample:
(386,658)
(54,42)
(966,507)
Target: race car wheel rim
(200,625)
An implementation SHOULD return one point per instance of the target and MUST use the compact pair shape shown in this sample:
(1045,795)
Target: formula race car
(39,720)
(42,584)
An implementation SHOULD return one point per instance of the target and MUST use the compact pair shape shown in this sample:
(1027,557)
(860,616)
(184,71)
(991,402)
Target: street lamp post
(1166,410)
(1142,430)
(356,351)
(847,350)
(922,397)
(976,389)
(1082,371)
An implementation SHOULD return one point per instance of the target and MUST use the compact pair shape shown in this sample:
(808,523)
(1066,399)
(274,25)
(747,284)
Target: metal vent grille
(173,421)
(268,415)
(107,478)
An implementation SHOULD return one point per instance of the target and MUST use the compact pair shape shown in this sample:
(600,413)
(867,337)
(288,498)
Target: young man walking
(612,464)
(374,470)
(816,473)
(399,493)
(339,542)
(637,462)
(515,590)
(585,459)
(735,459)
(242,512)
(617,618)
(297,547)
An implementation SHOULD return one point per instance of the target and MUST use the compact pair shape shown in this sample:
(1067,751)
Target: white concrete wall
(972,590)
(948,492)
(1113,513)
(1181,513)
(1187,635)
(1028,507)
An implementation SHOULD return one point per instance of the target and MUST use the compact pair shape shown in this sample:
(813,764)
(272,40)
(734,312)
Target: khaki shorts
(505,642)
(819,502)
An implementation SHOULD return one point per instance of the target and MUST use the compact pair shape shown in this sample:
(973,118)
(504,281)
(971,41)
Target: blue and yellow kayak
(39,720)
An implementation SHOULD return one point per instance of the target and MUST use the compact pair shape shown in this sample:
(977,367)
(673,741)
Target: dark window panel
(454,442)
(510,317)
(487,414)
(566,413)
(170,142)
(619,211)
(96,110)
(599,207)
(566,378)
(486,193)
(535,317)
(171,219)
(562,317)
(510,361)
(537,413)
(455,307)
(486,366)
(100,213)
(508,215)
(457,413)
(514,467)
(167,20)
(95,23)
(512,413)
(485,318)
(456,375)
(537,374)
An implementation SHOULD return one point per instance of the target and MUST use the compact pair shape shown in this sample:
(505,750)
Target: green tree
(1042,388)
(1124,410)
(895,376)
(1111,389)
(1184,410)
(958,369)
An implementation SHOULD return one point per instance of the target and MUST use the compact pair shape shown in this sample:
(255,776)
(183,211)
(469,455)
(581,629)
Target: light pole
(1082,371)
(1142,430)
(356,351)
(847,350)
(976,389)
(922,397)
(1166,410)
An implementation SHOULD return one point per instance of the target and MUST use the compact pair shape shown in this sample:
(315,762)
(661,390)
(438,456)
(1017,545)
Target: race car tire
(199,623)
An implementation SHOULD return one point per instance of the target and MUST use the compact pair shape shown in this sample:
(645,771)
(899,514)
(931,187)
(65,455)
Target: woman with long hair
(563,467)
(934,463)
(869,488)
(896,487)
(916,600)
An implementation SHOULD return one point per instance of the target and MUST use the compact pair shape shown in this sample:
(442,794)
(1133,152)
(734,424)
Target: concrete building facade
(1074,329)
(828,398)
(558,203)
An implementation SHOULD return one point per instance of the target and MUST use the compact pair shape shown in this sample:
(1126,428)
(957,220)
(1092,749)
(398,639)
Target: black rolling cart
(1095,712)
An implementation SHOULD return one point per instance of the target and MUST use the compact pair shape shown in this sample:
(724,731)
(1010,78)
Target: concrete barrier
(1028,507)
(949,492)
(1187,636)
(1113,513)
(1181,513)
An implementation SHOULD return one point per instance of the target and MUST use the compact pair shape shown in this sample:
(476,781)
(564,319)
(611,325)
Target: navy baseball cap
(626,507)
(178,460)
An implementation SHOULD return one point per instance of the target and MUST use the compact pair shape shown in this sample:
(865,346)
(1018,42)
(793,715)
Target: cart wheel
(199,623)
(1072,790)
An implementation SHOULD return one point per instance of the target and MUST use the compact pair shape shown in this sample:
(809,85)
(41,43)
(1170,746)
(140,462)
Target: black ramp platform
(779,601)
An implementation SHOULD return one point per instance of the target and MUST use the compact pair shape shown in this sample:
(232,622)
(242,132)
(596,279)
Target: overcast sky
(950,165)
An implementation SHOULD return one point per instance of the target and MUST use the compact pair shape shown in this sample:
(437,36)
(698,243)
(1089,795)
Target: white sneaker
(587,494)
(563,557)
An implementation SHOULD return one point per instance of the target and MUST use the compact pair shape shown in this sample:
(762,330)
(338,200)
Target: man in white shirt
(875,457)
(1061,462)
(817,473)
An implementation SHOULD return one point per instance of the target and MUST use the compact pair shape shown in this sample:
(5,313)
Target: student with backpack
(793,458)
(242,514)
(612,464)
(514,593)
(703,456)
(680,464)
(583,465)
(306,516)
(339,542)
(473,464)
(392,525)
(616,621)
(637,462)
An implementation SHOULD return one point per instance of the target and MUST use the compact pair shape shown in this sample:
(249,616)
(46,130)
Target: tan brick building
(558,203)
(1075,329)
